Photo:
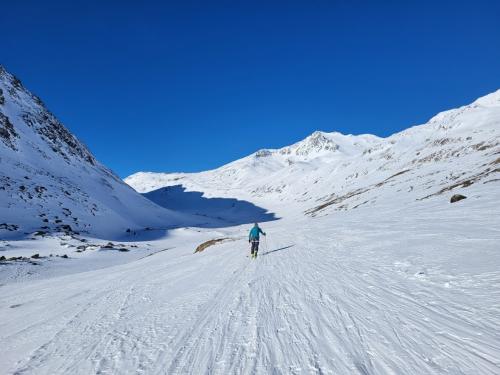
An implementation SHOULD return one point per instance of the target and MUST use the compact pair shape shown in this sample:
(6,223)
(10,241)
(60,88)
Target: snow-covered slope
(399,290)
(369,269)
(456,150)
(50,181)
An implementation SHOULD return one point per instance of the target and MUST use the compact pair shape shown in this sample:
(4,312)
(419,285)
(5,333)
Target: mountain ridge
(50,181)
(464,141)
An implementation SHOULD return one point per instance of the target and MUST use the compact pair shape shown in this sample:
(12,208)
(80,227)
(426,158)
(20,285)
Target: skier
(253,238)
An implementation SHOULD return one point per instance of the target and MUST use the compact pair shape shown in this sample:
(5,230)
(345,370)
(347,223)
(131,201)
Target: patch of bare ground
(482,146)
(209,243)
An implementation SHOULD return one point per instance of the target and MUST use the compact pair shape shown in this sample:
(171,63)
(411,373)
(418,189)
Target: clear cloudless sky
(188,86)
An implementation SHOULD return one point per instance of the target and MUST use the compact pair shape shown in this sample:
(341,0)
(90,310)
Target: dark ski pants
(255,247)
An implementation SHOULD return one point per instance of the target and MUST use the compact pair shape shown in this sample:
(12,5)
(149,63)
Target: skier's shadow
(281,248)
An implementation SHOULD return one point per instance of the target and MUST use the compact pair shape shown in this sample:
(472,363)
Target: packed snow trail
(350,303)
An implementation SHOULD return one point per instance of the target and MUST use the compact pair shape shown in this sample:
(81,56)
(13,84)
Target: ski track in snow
(357,311)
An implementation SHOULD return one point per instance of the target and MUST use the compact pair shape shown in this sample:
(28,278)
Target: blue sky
(188,86)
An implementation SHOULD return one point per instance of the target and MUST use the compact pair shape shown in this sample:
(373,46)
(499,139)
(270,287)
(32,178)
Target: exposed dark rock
(35,256)
(457,197)
(40,189)
(66,228)
(65,256)
(9,227)
(7,131)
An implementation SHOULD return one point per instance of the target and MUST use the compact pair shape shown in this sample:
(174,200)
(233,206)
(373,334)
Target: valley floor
(343,295)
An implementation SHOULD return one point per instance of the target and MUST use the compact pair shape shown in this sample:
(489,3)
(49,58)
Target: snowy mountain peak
(32,121)
(330,143)
(50,181)
(315,143)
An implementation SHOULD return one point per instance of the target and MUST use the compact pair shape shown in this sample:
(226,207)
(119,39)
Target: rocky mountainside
(456,151)
(49,180)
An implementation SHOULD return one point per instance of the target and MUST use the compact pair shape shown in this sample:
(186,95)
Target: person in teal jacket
(254,238)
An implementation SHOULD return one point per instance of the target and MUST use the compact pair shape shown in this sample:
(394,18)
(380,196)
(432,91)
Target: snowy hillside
(49,181)
(455,151)
(366,268)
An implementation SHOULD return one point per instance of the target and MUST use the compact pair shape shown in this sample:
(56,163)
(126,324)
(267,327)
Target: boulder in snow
(457,197)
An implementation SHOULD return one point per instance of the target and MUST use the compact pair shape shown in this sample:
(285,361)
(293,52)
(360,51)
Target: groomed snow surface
(403,291)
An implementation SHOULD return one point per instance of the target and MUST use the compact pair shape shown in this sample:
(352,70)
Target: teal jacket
(255,233)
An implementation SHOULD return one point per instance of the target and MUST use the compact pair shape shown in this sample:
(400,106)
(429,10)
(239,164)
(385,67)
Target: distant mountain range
(50,181)
(456,151)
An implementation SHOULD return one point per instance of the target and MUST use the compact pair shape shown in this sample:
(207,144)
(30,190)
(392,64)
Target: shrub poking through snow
(209,243)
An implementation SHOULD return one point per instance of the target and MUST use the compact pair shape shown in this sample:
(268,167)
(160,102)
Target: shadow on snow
(212,212)
(280,249)
(205,213)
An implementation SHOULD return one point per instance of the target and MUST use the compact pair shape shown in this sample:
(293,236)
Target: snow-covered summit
(323,144)
(25,120)
(315,143)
